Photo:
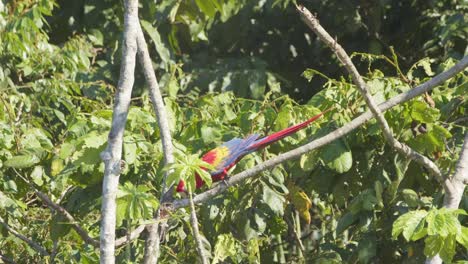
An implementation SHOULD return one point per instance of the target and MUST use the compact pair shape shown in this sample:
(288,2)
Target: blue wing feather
(237,149)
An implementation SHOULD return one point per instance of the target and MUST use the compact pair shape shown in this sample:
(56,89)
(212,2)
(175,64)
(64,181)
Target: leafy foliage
(228,69)
(442,231)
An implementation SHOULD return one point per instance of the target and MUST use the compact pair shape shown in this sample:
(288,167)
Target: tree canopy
(229,69)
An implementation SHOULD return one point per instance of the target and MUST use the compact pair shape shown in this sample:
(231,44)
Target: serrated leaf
(407,223)
(226,246)
(422,112)
(94,139)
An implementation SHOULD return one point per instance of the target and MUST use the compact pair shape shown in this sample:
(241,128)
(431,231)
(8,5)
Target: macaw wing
(230,152)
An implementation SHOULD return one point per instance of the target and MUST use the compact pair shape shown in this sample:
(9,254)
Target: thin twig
(405,150)
(113,153)
(7,259)
(84,234)
(54,206)
(28,241)
(196,232)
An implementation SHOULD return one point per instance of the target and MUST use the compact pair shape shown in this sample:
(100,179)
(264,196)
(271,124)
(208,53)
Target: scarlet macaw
(227,155)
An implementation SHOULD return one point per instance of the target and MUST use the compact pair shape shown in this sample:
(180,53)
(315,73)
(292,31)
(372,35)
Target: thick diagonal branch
(28,241)
(113,153)
(315,26)
(152,241)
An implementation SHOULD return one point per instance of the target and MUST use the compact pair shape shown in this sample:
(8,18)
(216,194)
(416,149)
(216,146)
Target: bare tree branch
(69,217)
(113,153)
(338,133)
(153,241)
(55,206)
(28,241)
(455,187)
(128,238)
(315,26)
(7,259)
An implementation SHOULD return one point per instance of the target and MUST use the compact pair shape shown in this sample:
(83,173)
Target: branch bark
(28,241)
(6,259)
(405,150)
(113,153)
(152,246)
(455,186)
(69,217)
(196,232)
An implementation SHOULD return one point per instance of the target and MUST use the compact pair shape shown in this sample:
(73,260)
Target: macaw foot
(226,183)
(225,174)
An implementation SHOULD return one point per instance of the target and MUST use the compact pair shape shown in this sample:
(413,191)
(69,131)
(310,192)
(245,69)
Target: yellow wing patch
(216,156)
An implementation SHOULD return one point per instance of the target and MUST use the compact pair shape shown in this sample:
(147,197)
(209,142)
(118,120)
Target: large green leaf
(408,223)
(226,246)
(162,50)
(22,161)
(337,156)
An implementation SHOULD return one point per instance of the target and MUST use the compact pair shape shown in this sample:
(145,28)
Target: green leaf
(408,223)
(273,199)
(345,221)
(226,246)
(36,175)
(462,238)
(161,49)
(94,139)
(422,112)
(433,245)
(210,134)
(309,161)
(337,156)
(367,248)
(130,150)
(443,222)
(448,250)
(411,197)
(207,7)
(22,161)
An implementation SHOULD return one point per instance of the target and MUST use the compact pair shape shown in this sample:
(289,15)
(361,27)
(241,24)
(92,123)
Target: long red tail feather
(284,133)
